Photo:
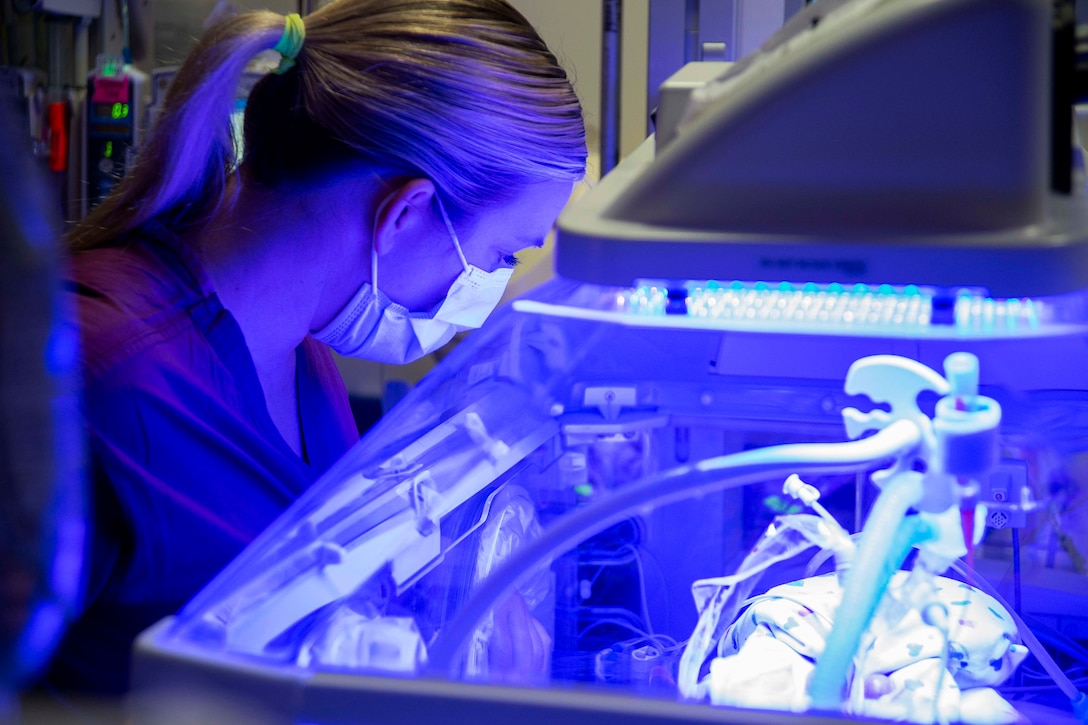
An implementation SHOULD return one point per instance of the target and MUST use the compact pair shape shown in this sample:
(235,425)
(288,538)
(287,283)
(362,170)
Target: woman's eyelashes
(511,260)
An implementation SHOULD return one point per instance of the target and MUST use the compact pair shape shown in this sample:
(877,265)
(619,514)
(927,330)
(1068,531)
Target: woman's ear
(404,214)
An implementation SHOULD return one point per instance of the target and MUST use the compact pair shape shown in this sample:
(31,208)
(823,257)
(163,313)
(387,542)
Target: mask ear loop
(374,248)
(453,234)
(374,267)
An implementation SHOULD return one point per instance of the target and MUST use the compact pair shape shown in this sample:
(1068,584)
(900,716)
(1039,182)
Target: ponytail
(462,92)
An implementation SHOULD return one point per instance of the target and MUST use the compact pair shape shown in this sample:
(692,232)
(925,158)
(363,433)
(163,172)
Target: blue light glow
(810,305)
(873,310)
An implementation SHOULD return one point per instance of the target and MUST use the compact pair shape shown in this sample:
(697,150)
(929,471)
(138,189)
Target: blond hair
(463,92)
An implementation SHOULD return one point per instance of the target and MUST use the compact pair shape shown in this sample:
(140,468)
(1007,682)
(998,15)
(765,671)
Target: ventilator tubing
(877,558)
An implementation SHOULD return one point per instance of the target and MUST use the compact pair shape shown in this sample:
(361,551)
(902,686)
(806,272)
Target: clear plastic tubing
(707,476)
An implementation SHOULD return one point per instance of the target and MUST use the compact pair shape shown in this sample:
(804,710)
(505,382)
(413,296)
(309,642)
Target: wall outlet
(1006,495)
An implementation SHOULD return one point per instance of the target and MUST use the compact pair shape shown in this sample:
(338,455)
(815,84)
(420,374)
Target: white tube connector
(839,540)
(806,493)
(965,424)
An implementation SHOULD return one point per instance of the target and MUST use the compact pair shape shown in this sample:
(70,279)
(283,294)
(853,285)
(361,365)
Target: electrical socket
(1004,493)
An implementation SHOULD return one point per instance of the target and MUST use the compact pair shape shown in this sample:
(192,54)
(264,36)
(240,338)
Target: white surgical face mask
(373,327)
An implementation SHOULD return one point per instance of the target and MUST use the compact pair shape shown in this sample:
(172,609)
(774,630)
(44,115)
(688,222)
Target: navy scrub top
(186,465)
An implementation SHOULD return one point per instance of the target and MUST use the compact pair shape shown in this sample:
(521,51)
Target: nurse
(393,166)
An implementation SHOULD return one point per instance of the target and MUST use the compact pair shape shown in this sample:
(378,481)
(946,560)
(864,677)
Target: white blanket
(913,672)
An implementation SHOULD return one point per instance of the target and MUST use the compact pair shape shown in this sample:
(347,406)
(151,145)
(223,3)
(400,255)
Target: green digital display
(116,111)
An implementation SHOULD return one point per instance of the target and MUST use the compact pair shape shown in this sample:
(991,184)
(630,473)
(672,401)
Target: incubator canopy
(860,144)
(629,490)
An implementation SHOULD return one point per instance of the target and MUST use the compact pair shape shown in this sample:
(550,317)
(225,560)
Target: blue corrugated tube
(878,556)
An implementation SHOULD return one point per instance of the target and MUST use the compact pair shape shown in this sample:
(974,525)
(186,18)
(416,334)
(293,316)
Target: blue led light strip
(887,311)
(973,312)
(811,305)
(859,308)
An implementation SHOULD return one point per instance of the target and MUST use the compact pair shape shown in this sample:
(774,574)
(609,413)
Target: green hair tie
(290,43)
